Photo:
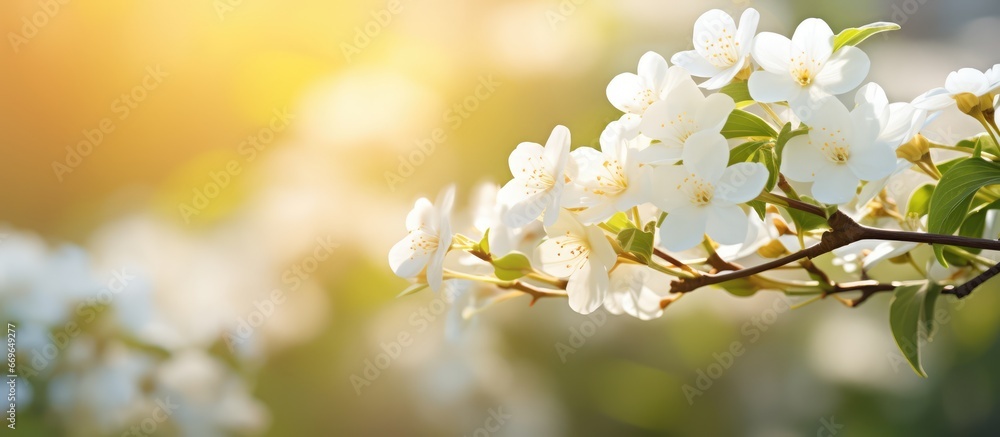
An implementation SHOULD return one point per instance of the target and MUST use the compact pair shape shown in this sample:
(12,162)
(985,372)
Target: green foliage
(920,200)
(619,222)
(786,134)
(744,124)
(910,305)
(740,93)
(742,287)
(853,36)
(512,266)
(805,221)
(951,200)
(637,242)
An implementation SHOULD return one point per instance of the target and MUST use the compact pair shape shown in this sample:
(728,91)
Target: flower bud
(772,250)
(915,149)
(967,103)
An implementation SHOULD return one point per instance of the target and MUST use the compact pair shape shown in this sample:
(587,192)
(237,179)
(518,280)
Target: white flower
(804,70)
(634,93)
(841,149)
(721,49)
(612,179)
(685,112)
(963,81)
(488,215)
(703,195)
(898,123)
(539,178)
(582,254)
(637,292)
(428,240)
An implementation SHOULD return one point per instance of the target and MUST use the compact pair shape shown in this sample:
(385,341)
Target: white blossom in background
(540,176)
(41,287)
(804,70)
(841,149)
(636,291)
(965,81)
(427,241)
(685,112)
(583,254)
(610,180)
(100,385)
(488,215)
(213,400)
(722,50)
(702,196)
(898,123)
(634,93)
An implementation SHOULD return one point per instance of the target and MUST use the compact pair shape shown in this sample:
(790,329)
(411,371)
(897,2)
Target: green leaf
(920,200)
(740,287)
(947,165)
(771,162)
(744,124)
(484,244)
(975,223)
(905,310)
(619,222)
(930,299)
(637,242)
(512,266)
(759,207)
(805,221)
(414,288)
(740,93)
(853,36)
(786,134)
(745,152)
(981,142)
(953,196)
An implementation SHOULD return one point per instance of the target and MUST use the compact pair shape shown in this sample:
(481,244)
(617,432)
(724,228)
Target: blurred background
(198,198)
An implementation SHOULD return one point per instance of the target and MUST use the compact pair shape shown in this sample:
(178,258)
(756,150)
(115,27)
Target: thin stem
(968,150)
(635,217)
(774,116)
(792,203)
(677,263)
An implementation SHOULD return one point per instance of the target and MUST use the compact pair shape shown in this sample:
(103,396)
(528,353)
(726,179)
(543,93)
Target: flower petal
(835,185)
(422,216)
(667,182)
(844,71)
(768,87)
(934,100)
(706,155)
(967,80)
(684,228)
(587,288)
(815,38)
(714,112)
(653,71)
(773,53)
(557,151)
(694,63)
(527,160)
(741,183)
(626,92)
(727,224)
(801,160)
(409,256)
(748,27)
(872,161)
(723,77)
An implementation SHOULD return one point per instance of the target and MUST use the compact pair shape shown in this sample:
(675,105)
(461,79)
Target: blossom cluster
(685,184)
